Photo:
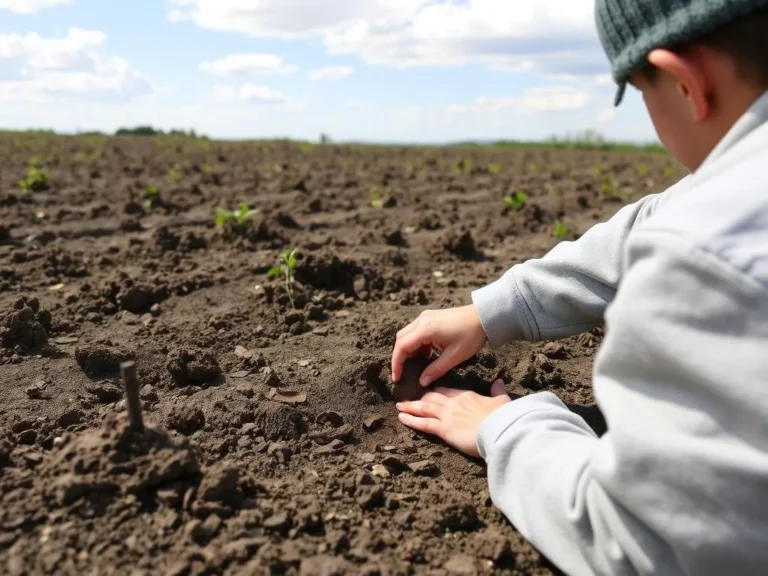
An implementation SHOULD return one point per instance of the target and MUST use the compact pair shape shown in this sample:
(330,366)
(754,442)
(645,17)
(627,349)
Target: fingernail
(399,405)
(425,381)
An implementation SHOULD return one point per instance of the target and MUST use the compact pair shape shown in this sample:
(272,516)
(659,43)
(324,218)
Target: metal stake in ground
(128,373)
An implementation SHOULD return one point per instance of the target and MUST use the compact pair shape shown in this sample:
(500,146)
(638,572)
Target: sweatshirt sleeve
(673,487)
(565,292)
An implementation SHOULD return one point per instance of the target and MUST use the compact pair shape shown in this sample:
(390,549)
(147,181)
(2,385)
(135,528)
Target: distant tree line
(152,131)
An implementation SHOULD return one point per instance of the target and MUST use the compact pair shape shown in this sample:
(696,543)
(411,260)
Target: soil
(272,444)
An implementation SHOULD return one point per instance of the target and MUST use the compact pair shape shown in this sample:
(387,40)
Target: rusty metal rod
(128,373)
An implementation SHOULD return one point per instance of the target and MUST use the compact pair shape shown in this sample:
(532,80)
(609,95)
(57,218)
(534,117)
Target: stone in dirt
(191,366)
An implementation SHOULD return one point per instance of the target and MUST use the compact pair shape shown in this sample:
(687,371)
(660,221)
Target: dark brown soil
(272,444)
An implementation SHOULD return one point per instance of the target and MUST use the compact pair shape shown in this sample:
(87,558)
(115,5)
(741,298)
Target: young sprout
(174,174)
(206,168)
(151,197)
(494,168)
(642,169)
(285,267)
(561,229)
(239,216)
(36,180)
(608,187)
(376,196)
(516,201)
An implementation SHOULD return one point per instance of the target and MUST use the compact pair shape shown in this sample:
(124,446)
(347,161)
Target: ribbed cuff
(502,418)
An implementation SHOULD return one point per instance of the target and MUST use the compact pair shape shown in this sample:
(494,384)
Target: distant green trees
(152,131)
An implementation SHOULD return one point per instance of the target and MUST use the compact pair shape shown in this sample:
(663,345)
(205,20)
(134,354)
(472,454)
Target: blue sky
(373,70)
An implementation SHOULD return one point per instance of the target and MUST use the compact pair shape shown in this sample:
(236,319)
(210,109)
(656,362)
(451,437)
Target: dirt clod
(191,366)
(25,325)
(99,359)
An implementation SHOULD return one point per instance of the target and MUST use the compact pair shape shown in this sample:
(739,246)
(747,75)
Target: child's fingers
(429,425)
(421,408)
(436,396)
(406,346)
(498,388)
(439,367)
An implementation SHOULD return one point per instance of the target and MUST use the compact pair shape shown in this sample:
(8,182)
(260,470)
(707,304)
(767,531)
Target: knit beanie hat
(630,29)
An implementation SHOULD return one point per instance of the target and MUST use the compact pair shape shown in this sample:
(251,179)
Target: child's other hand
(456,334)
(453,415)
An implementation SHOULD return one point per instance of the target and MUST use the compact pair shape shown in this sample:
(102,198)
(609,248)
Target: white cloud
(606,115)
(248,64)
(548,36)
(260,96)
(534,100)
(30,6)
(75,64)
(331,73)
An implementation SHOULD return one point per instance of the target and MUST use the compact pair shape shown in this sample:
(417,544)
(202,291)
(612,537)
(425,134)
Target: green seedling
(377,194)
(669,171)
(174,174)
(608,187)
(36,180)
(516,201)
(642,169)
(238,216)
(151,197)
(494,168)
(285,268)
(561,229)
(206,168)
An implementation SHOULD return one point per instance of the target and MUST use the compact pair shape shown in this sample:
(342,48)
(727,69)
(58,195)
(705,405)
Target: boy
(679,483)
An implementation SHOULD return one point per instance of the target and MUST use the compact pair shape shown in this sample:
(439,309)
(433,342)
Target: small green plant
(151,197)
(35,181)
(516,201)
(669,171)
(239,216)
(642,169)
(608,187)
(494,168)
(377,195)
(175,174)
(285,268)
(206,168)
(561,229)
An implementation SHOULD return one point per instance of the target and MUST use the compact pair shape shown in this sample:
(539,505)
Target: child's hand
(453,415)
(456,333)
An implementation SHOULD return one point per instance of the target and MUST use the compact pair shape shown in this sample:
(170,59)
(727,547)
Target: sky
(421,71)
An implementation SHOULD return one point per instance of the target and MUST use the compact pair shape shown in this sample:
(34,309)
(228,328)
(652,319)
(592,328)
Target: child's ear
(691,77)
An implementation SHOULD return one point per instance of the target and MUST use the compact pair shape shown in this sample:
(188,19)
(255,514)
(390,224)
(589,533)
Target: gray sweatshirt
(679,483)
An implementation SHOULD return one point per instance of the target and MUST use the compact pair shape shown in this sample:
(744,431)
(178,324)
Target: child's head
(698,63)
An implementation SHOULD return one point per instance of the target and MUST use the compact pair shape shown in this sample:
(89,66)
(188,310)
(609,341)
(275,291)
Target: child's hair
(745,41)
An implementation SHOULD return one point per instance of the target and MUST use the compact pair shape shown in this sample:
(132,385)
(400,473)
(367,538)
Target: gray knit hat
(630,29)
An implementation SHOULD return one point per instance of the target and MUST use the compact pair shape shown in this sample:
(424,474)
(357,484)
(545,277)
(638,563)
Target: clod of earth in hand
(408,388)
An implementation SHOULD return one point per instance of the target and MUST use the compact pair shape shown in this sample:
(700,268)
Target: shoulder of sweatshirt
(723,208)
